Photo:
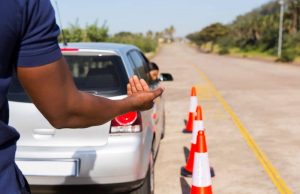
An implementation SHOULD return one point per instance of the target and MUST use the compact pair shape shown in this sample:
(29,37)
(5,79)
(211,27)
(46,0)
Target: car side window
(133,65)
(141,65)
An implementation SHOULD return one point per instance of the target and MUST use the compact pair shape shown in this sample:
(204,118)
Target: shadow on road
(185,187)
(186,152)
(185,122)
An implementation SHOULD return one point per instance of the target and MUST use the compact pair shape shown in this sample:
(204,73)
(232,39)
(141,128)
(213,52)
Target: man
(28,46)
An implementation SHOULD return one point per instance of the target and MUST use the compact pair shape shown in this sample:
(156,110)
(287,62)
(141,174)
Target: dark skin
(52,90)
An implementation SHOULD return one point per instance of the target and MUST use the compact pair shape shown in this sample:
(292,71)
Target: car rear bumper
(124,159)
(83,189)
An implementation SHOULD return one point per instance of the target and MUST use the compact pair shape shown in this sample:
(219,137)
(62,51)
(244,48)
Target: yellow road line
(265,162)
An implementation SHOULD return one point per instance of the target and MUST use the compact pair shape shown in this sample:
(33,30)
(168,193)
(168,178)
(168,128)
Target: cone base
(201,190)
(186,131)
(184,172)
(212,172)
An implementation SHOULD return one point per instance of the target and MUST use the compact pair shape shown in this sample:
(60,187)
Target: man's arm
(52,90)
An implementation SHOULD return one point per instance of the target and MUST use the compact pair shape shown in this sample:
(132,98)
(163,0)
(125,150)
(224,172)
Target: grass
(252,54)
(297,60)
(257,55)
(237,52)
(151,55)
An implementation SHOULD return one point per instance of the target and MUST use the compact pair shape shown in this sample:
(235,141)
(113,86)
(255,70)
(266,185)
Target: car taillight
(69,49)
(126,123)
(126,119)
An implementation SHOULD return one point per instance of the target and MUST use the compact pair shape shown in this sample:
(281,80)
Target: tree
(169,33)
(210,34)
(95,33)
(294,15)
(147,43)
(149,34)
(257,30)
(123,34)
(73,34)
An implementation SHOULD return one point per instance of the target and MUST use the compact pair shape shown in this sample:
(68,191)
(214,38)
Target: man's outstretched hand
(139,94)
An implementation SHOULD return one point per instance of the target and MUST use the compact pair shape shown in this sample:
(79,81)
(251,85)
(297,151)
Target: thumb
(157,92)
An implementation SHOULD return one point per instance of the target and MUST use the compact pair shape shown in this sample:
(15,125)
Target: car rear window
(99,75)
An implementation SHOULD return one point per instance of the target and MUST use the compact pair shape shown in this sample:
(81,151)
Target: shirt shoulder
(39,34)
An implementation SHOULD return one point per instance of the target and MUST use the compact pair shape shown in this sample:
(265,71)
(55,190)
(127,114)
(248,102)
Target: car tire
(164,126)
(148,184)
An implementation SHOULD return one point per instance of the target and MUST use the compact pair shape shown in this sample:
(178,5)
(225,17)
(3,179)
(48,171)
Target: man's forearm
(88,110)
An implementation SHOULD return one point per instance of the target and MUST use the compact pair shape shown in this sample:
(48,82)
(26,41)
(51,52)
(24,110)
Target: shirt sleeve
(38,42)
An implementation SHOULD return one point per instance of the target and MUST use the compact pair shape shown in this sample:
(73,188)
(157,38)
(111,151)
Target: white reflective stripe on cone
(197,126)
(193,104)
(201,170)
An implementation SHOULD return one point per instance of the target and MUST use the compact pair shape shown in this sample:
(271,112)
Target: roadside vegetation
(255,34)
(147,42)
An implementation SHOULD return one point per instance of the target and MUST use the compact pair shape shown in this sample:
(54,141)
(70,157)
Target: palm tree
(294,14)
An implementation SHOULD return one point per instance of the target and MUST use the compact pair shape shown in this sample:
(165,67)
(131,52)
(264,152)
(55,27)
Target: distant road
(252,117)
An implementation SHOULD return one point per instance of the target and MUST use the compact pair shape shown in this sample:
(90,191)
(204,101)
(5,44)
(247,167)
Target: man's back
(21,30)
(9,24)
(8,42)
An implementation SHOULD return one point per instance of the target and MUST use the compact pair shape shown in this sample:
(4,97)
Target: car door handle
(43,133)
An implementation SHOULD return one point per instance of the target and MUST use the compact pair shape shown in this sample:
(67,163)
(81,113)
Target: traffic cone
(201,183)
(193,106)
(197,126)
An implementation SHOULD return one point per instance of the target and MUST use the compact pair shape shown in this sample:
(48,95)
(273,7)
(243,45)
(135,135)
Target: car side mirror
(166,77)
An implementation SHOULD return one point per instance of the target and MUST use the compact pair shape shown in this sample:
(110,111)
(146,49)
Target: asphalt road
(251,114)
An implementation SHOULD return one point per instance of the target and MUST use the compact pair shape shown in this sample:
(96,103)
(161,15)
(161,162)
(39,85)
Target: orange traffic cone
(193,106)
(201,172)
(197,126)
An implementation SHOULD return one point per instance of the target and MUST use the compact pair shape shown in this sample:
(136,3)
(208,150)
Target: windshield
(99,75)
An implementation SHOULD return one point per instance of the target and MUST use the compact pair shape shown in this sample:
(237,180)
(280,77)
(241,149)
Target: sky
(186,16)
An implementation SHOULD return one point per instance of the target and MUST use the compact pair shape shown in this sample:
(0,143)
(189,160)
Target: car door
(158,115)
(140,64)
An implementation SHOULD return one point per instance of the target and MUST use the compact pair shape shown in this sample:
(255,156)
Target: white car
(117,156)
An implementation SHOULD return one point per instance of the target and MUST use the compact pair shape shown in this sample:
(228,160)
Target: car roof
(116,47)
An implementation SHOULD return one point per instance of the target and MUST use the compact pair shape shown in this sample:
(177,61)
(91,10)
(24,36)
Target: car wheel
(148,185)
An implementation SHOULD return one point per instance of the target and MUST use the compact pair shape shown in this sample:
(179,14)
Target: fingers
(143,100)
(137,83)
(132,86)
(145,85)
(129,91)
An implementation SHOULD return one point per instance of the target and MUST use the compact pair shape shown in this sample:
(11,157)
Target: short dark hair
(153,66)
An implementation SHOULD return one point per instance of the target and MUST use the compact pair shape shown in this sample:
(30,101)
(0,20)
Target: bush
(146,44)
(287,56)
(95,33)
(224,51)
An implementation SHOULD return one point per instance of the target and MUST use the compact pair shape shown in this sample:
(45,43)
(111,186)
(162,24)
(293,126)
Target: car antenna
(65,43)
